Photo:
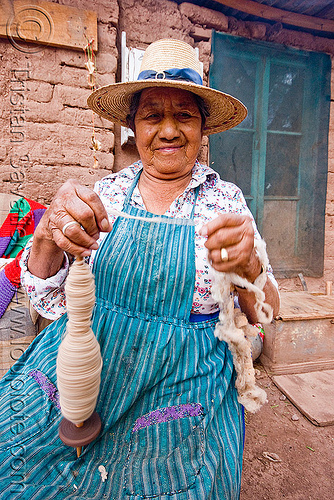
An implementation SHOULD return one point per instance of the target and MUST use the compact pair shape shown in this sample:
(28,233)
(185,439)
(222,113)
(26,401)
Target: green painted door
(278,154)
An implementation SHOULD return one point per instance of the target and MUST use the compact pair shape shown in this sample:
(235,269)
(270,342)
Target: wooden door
(278,154)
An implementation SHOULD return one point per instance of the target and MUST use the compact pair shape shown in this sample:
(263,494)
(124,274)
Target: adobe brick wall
(57,124)
(45,120)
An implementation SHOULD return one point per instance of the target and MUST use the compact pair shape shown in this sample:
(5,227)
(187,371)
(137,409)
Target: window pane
(279,223)
(286,89)
(238,77)
(234,160)
(282,165)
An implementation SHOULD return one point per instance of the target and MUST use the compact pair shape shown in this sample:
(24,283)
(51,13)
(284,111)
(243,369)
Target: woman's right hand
(53,236)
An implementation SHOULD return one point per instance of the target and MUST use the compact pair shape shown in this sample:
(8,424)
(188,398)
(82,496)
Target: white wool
(249,395)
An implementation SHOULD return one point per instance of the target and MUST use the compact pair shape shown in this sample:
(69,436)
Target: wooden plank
(46,23)
(304,305)
(293,368)
(279,15)
(312,393)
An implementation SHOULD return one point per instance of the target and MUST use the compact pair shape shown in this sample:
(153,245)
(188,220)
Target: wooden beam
(279,15)
(46,23)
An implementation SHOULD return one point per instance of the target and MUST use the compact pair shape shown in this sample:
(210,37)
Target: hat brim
(113,102)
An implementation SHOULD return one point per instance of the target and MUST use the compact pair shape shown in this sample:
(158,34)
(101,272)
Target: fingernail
(104,224)
(94,246)
(203,231)
(86,253)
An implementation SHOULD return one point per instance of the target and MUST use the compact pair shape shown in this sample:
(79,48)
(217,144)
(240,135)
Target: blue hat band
(184,74)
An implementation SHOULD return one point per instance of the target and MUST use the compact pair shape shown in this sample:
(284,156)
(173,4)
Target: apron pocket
(29,409)
(165,451)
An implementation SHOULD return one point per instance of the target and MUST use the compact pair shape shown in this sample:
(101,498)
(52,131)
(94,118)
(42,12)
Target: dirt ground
(286,456)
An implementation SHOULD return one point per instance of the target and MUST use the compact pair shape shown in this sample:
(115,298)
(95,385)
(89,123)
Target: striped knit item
(15,232)
(7,291)
(19,226)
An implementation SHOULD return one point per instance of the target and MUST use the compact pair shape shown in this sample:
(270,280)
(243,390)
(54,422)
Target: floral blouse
(215,196)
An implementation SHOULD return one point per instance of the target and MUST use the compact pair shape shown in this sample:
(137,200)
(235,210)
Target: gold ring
(68,224)
(224,255)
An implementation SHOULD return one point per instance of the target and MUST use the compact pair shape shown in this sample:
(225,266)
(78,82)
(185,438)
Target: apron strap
(131,189)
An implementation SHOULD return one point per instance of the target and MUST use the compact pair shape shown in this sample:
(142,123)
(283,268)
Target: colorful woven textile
(15,232)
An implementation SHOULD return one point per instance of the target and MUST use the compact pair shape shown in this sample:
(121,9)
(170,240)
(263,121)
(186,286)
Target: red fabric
(13,221)
(25,226)
(13,270)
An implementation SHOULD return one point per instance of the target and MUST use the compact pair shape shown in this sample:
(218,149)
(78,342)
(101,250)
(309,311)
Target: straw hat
(169,63)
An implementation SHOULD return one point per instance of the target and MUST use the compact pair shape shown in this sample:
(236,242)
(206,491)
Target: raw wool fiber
(234,331)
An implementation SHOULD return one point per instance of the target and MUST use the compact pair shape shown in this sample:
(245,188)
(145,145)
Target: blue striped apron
(172,426)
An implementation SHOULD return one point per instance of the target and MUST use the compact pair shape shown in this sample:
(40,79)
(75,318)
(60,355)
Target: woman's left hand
(230,244)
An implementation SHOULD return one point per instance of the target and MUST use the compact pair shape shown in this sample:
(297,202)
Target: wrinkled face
(168,130)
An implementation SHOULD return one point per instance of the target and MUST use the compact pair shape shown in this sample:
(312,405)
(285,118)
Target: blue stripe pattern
(154,358)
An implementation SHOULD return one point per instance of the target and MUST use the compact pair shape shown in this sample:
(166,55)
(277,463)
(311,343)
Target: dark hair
(134,104)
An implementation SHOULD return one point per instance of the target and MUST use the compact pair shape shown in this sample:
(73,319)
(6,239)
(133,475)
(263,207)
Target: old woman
(172,423)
